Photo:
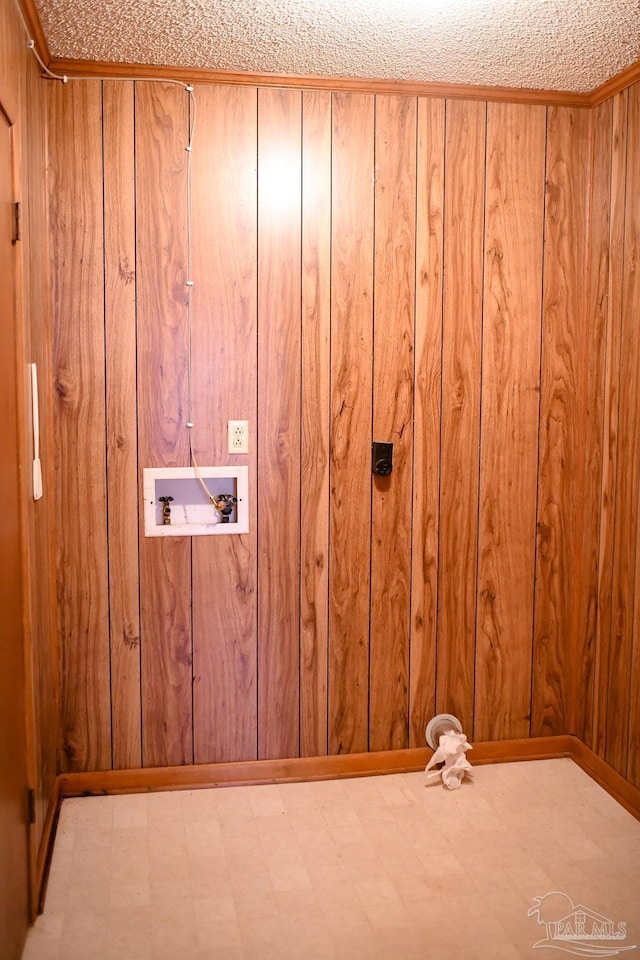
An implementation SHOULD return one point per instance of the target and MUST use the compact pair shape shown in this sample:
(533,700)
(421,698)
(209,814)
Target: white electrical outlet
(238,436)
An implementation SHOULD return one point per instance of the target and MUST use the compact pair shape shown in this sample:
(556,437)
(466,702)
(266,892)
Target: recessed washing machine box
(176,505)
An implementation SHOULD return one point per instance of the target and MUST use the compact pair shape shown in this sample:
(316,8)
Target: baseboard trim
(45,849)
(300,768)
(200,776)
(609,779)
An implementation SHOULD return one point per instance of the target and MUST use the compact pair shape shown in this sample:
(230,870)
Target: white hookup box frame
(192,513)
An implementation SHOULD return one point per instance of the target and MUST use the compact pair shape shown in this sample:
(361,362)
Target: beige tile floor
(362,869)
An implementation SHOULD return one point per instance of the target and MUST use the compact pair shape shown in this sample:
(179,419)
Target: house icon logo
(576,929)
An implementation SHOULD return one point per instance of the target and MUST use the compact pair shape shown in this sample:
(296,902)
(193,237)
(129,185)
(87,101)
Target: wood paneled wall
(389,268)
(609,718)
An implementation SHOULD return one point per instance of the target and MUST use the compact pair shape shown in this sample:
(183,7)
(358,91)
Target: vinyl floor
(376,868)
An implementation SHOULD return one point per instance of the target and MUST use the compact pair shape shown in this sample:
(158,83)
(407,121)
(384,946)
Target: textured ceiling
(547,44)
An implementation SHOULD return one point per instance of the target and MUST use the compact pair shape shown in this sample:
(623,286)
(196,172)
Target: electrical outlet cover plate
(192,514)
(238,435)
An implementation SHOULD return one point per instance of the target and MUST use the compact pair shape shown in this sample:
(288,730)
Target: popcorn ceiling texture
(549,44)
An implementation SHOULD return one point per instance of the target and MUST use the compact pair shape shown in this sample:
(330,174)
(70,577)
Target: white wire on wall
(189,283)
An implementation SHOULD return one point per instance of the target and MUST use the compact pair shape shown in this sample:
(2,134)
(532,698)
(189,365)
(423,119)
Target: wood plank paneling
(618,749)
(165,563)
(75,203)
(461,363)
(393,376)
(224,349)
(564,316)
(611,412)
(594,346)
(279,358)
(427,403)
(122,428)
(514,207)
(308,631)
(351,421)
(314,504)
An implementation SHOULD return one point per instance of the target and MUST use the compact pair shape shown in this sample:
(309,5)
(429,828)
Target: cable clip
(189,283)
(189,88)
(190,425)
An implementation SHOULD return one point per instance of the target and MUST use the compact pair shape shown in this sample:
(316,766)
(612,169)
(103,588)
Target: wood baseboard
(204,775)
(201,776)
(45,850)
(609,779)
(301,768)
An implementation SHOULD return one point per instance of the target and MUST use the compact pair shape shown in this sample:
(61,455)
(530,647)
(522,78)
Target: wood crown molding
(32,22)
(93,69)
(621,81)
(126,71)
(120,71)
